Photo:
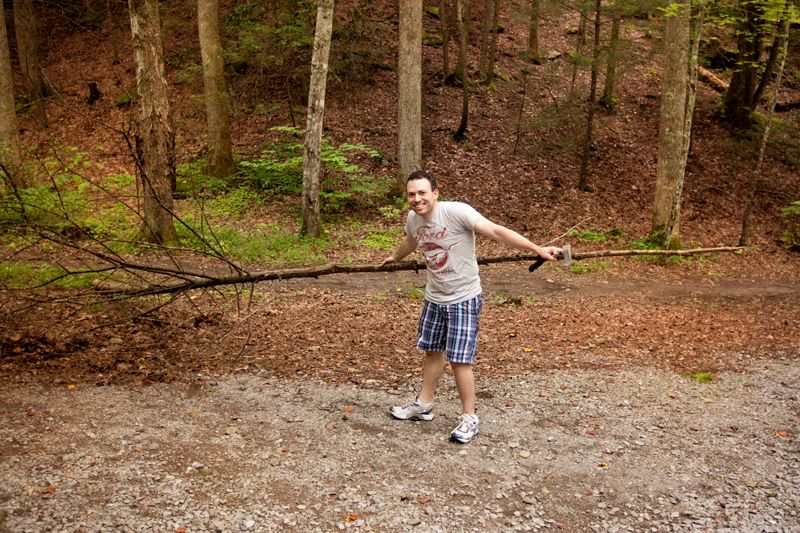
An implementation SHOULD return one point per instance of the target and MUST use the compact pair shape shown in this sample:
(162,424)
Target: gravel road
(636,450)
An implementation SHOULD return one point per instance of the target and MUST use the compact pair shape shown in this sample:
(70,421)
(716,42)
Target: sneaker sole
(425,418)
(463,441)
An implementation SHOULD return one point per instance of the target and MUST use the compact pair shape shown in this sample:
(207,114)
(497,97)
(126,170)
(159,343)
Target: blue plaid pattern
(452,329)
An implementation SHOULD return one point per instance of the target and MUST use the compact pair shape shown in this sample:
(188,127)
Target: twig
(567,232)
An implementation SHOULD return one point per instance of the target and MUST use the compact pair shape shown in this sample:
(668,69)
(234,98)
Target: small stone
(115,340)
(249,524)
(524,454)
(513,444)
(91,435)
(197,465)
(462,452)
(429,511)
(414,522)
(231,431)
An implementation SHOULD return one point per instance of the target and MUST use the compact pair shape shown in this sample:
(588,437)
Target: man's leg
(465,382)
(432,369)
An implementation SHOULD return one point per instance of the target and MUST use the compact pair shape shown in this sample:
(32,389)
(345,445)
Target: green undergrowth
(18,275)
(702,377)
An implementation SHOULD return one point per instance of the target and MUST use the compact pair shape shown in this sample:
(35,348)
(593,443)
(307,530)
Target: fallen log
(715,83)
(205,281)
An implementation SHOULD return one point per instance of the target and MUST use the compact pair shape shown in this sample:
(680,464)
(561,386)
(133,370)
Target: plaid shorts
(452,329)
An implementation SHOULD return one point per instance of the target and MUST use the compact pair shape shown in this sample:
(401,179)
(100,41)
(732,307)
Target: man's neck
(435,205)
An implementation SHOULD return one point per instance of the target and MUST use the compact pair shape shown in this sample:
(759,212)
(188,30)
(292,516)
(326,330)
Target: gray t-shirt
(447,241)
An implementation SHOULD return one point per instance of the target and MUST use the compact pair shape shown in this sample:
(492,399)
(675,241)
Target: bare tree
(611,65)
(32,78)
(488,12)
(155,141)
(757,172)
(10,155)
(493,47)
(220,151)
(445,40)
(669,169)
(777,46)
(463,30)
(533,37)
(587,139)
(312,151)
(409,91)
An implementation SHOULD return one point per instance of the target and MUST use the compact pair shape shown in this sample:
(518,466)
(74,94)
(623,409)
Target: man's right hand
(389,259)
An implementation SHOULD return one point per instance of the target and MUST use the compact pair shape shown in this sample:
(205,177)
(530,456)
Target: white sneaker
(467,428)
(414,411)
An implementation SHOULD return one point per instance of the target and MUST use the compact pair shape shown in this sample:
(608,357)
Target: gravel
(602,451)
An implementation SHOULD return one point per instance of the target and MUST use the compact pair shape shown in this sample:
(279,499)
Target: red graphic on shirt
(435,255)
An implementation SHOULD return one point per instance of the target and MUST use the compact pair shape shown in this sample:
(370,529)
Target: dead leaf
(545,490)
(192,413)
(671,395)
(276,395)
(424,499)
(284,450)
(329,426)
(601,465)
(49,490)
(526,350)
(350,518)
(349,409)
(780,434)
(510,404)
(589,432)
(180,530)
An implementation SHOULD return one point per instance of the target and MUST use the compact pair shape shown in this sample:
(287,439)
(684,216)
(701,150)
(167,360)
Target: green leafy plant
(280,172)
(702,377)
(591,266)
(595,234)
(383,239)
(791,217)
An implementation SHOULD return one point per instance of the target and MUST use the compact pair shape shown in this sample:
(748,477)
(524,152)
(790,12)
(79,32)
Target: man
(448,326)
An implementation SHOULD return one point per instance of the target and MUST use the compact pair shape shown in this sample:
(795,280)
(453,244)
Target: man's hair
(422,175)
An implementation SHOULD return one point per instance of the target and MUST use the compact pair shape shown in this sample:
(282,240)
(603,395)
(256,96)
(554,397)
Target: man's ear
(436,194)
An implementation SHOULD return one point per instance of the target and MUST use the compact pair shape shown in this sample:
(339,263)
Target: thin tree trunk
(312,218)
(757,172)
(777,46)
(493,47)
(445,40)
(533,37)
(611,66)
(670,231)
(220,151)
(487,22)
(462,60)
(32,78)
(738,102)
(409,92)
(155,141)
(580,41)
(587,140)
(10,155)
(669,171)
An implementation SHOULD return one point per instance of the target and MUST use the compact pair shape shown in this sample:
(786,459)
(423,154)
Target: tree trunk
(487,22)
(754,180)
(777,46)
(669,171)
(10,155)
(155,142)
(580,41)
(462,60)
(312,219)
(533,37)
(587,140)
(739,104)
(32,78)
(220,151)
(670,231)
(493,47)
(409,92)
(445,40)
(463,23)
(611,66)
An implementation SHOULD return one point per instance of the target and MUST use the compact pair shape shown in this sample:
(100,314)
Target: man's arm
(406,247)
(512,238)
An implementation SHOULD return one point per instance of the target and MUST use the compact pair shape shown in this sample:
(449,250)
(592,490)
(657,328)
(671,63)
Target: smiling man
(448,326)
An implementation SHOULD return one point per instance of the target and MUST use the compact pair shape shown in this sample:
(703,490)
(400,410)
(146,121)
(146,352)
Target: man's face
(420,197)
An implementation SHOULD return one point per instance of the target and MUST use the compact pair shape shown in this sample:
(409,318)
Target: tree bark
(409,92)
(777,46)
(587,140)
(312,218)
(757,172)
(739,104)
(487,22)
(445,40)
(462,60)
(611,66)
(220,151)
(32,78)
(533,37)
(669,171)
(670,231)
(10,154)
(155,141)
(493,47)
